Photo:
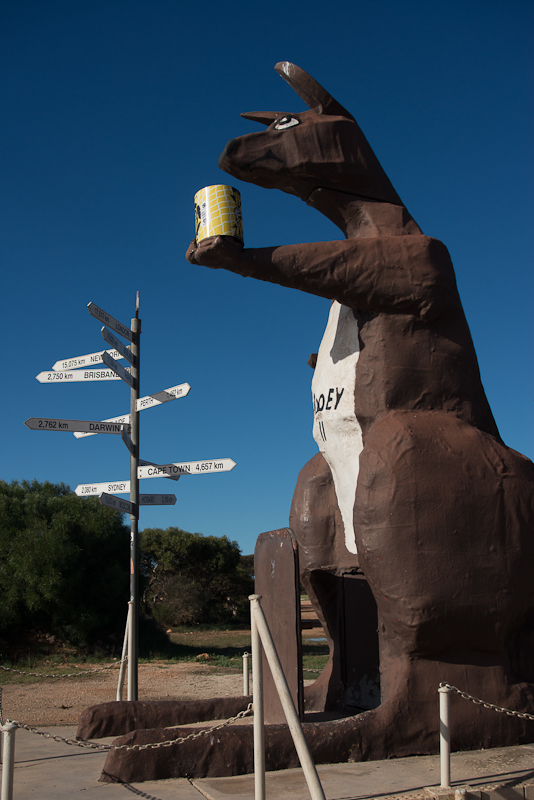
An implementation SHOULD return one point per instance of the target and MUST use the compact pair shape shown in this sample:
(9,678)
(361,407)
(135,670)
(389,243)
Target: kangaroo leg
(316,521)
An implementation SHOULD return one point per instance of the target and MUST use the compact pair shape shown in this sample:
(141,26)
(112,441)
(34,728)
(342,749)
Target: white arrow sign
(187,468)
(119,487)
(110,321)
(173,393)
(41,424)
(118,503)
(151,464)
(120,348)
(76,362)
(96,489)
(157,499)
(68,376)
(123,373)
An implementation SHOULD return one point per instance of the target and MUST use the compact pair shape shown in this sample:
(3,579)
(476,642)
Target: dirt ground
(60,702)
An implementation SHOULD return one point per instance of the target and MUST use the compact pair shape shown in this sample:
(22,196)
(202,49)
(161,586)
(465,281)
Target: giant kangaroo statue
(412,484)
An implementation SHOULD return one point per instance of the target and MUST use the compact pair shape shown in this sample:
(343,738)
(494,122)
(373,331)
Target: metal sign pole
(134,498)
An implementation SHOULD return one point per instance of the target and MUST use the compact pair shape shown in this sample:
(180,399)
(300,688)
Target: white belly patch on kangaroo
(335,427)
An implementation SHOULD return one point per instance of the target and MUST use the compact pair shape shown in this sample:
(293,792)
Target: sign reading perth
(151,400)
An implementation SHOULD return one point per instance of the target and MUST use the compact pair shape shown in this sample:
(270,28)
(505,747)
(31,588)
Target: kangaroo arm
(400,274)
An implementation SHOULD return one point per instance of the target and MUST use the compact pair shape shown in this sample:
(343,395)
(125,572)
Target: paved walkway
(48,770)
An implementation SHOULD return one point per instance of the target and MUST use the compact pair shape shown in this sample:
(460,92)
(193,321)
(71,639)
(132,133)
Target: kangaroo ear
(309,90)
(265,117)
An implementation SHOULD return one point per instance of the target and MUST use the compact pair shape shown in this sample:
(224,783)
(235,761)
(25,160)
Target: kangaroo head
(323,148)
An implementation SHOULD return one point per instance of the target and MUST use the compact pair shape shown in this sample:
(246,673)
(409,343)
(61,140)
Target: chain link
(482,703)
(66,675)
(151,746)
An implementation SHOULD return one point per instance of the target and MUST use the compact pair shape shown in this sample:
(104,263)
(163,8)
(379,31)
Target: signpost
(119,504)
(149,401)
(157,499)
(124,374)
(120,348)
(76,362)
(187,468)
(75,376)
(81,368)
(110,321)
(75,425)
(96,489)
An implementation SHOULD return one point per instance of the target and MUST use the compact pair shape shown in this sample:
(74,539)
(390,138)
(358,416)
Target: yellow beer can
(218,212)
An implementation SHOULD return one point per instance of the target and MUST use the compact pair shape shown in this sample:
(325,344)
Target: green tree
(192,578)
(63,563)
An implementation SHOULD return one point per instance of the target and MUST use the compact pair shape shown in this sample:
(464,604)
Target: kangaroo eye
(286,122)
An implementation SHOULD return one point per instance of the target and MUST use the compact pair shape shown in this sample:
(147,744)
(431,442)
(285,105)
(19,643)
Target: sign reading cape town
(187,468)
(72,425)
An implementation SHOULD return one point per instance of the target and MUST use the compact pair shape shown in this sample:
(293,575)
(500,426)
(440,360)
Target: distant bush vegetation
(191,578)
(64,572)
(63,565)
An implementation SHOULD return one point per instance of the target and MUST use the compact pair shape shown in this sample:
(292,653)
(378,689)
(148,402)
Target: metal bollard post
(257,701)
(246,685)
(9,759)
(124,657)
(293,721)
(444,737)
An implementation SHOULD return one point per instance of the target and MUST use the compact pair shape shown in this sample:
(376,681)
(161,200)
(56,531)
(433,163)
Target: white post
(293,721)
(9,760)
(246,685)
(257,702)
(122,670)
(444,737)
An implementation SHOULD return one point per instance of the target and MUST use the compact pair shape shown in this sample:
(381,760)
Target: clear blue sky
(114,115)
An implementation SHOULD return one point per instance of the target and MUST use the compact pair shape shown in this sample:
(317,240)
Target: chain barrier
(478,702)
(66,675)
(151,746)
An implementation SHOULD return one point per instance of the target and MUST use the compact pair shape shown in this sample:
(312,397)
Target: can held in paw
(218,213)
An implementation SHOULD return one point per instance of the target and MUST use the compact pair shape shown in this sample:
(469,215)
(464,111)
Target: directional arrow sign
(151,464)
(41,424)
(173,393)
(128,442)
(68,376)
(111,501)
(118,345)
(76,362)
(110,321)
(187,468)
(96,489)
(121,372)
(157,499)
(119,487)
(149,401)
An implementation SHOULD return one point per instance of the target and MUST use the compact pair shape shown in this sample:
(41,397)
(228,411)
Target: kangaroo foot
(116,718)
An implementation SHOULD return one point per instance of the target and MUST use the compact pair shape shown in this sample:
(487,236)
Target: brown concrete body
(443,510)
